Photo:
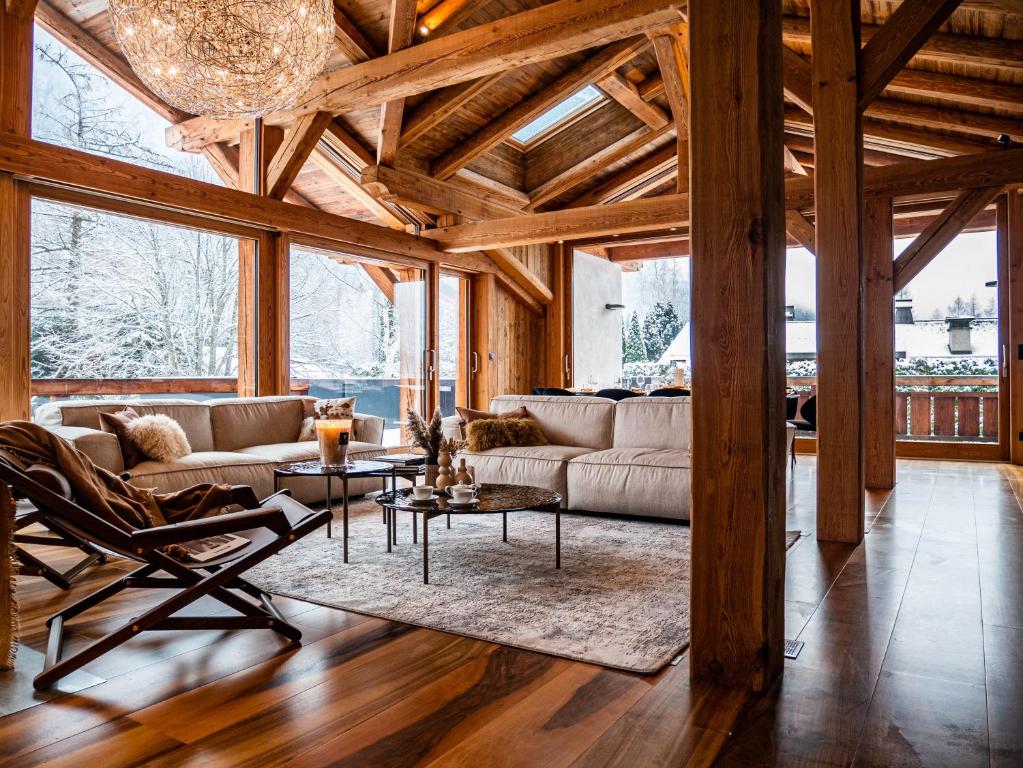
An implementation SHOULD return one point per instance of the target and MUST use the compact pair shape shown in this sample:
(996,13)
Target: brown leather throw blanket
(101,492)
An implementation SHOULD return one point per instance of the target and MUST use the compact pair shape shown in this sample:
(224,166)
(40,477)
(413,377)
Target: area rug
(621,598)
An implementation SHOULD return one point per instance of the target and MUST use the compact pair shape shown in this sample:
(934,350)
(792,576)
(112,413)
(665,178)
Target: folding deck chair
(276,523)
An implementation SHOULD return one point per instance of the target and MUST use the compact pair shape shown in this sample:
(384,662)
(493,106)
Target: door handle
(1005,361)
(475,367)
(567,368)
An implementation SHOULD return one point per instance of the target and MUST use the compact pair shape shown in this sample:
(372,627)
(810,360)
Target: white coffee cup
(462,494)
(422,492)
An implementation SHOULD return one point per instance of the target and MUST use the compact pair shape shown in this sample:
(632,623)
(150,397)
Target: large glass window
(357,329)
(454,343)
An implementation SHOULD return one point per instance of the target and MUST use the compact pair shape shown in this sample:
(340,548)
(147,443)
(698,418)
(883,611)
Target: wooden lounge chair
(276,523)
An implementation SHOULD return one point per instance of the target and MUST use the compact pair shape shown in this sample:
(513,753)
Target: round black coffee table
(351,470)
(492,499)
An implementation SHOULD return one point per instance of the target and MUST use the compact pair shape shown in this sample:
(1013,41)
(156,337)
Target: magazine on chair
(212,547)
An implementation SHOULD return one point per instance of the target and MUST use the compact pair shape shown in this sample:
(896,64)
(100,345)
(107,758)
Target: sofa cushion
(633,481)
(193,416)
(586,422)
(206,467)
(653,422)
(286,453)
(542,466)
(241,421)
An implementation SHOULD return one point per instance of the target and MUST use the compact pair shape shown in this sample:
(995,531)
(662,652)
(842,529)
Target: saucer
(428,500)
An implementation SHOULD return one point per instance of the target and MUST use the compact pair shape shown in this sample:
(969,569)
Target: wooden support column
(738,276)
(483,369)
(559,319)
(879,343)
(262,268)
(15,213)
(838,183)
(1010,237)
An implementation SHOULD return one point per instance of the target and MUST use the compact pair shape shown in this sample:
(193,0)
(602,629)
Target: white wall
(596,331)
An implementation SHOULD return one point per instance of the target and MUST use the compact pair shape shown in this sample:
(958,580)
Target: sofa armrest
(368,429)
(102,447)
(451,426)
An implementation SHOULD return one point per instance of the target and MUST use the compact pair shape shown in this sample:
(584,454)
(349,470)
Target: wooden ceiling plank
(349,38)
(515,197)
(355,190)
(401,33)
(627,178)
(298,144)
(801,230)
(440,107)
(673,63)
(521,274)
(958,89)
(626,94)
(496,131)
(585,168)
(940,232)
(540,34)
(337,138)
(940,118)
(898,40)
(429,194)
(1012,6)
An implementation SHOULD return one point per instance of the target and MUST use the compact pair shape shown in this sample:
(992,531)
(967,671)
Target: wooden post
(261,370)
(737,240)
(1010,237)
(15,214)
(838,188)
(559,318)
(879,343)
(483,369)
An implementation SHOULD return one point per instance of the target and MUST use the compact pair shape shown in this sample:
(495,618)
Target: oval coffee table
(492,499)
(346,472)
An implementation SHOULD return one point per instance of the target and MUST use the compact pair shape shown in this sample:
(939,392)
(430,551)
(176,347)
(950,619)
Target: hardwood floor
(913,656)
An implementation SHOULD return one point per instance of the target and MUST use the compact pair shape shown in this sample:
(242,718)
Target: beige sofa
(630,457)
(237,441)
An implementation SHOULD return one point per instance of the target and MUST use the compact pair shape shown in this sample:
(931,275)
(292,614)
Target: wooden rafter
(496,131)
(446,13)
(350,39)
(801,230)
(441,106)
(429,194)
(653,166)
(626,94)
(400,35)
(792,163)
(797,79)
(382,278)
(672,60)
(586,168)
(521,274)
(940,232)
(536,35)
(299,143)
(888,51)
(671,249)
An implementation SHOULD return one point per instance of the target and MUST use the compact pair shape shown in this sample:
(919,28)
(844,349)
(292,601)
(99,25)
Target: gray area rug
(621,598)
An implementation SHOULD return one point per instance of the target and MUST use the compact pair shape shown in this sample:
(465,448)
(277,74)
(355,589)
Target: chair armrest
(245,497)
(272,518)
(101,447)
(368,429)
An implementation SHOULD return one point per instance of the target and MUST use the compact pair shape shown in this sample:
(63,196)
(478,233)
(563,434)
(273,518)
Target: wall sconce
(614,306)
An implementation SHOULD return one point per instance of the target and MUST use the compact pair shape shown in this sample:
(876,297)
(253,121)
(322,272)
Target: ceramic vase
(462,475)
(444,478)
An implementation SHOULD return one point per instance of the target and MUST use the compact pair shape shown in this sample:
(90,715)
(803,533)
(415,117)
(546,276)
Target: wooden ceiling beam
(540,34)
(584,170)
(792,163)
(939,118)
(441,106)
(429,194)
(626,94)
(1012,6)
(496,131)
(921,177)
(623,181)
(446,13)
(797,79)
(349,38)
(940,232)
(401,33)
(671,49)
(673,249)
(940,46)
(801,230)
(382,278)
(521,274)
(898,40)
(961,90)
(298,144)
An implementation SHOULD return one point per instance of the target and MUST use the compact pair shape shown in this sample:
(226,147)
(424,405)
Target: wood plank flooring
(913,656)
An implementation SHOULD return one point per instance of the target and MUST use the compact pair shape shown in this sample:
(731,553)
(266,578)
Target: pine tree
(660,328)
(635,350)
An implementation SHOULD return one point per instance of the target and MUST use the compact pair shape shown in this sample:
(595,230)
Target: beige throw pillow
(159,437)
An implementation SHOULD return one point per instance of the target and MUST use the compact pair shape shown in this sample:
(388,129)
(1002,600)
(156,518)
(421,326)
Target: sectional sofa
(237,441)
(631,457)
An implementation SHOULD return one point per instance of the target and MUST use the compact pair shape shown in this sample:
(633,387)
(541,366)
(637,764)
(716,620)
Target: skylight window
(554,116)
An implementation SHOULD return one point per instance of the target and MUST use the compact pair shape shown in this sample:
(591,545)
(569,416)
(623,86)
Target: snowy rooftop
(928,338)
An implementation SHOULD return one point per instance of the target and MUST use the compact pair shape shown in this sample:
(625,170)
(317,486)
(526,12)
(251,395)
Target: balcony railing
(57,389)
(940,408)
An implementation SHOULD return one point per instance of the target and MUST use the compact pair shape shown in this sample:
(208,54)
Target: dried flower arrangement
(426,435)
(452,445)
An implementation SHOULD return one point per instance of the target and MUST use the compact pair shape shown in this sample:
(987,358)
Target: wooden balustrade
(924,414)
(153,386)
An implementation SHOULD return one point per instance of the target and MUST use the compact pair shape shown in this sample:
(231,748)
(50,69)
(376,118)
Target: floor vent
(792,648)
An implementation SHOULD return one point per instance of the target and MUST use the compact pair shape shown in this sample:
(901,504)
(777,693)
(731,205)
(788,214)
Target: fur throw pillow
(117,424)
(484,434)
(338,408)
(159,437)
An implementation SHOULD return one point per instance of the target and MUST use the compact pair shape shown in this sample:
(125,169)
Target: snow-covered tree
(660,327)
(634,350)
